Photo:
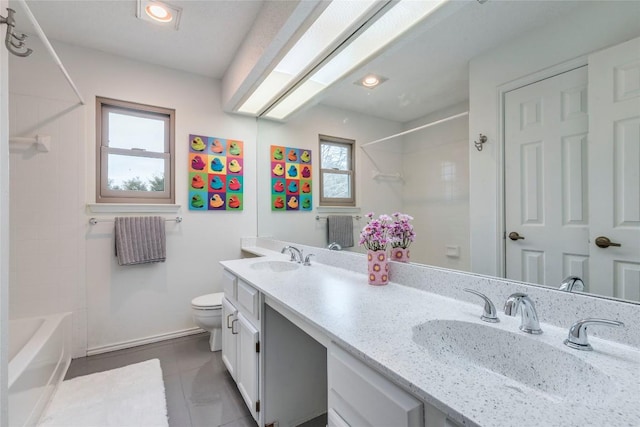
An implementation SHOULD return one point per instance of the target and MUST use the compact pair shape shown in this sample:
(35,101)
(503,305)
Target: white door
(614,169)
(247,369)
(546,197)
(229,334)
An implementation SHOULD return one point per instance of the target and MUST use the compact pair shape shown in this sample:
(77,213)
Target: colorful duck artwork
(234,202)
(234,166)
(197,182)
(216,201)
(217,165)
(216,146)
(215,180)
(293,202)
(197,163)
(197,144)
(234,149)
(197,202)
(216,183)
(305,157)
(291,183)
(278,203)
(234,184)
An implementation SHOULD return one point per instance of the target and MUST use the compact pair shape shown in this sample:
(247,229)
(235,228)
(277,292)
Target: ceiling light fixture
(371,81)
(158,12)
(395,21)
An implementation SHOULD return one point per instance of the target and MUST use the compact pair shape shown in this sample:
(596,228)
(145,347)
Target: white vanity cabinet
(241,338)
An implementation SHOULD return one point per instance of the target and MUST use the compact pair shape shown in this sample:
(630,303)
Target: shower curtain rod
(53,53)
(437,122)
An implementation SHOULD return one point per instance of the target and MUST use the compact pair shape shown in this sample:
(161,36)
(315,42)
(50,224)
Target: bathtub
(39,356)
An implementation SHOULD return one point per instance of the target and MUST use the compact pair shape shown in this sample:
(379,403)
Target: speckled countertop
(379,325)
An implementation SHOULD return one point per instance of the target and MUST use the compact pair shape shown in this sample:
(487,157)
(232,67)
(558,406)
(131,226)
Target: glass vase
(378,267)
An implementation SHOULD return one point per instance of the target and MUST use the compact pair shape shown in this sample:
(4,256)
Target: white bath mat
(132,396)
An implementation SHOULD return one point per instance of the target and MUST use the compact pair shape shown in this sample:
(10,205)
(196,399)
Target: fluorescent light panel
(337,17)
(400,18)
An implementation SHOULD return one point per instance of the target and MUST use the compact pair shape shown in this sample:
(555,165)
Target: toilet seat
(208,302)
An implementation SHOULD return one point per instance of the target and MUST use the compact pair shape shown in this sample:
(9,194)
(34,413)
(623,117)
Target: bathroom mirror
(414,153)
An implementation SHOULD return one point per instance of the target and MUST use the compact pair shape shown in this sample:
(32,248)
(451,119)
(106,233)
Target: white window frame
(106,195)
(351,172)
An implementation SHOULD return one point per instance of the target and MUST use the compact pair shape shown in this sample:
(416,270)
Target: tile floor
(199,390)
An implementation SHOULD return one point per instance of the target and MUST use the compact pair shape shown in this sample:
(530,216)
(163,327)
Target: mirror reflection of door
(572,169)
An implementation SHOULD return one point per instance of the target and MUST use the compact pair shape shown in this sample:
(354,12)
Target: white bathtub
(39,356)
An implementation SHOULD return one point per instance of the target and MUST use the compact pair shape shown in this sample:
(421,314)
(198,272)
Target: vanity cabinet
(241,338)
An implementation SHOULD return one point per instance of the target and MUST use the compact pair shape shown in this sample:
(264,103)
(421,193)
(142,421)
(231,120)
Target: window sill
(132,208)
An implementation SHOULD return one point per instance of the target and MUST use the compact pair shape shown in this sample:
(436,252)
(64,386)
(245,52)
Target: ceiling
(427,69)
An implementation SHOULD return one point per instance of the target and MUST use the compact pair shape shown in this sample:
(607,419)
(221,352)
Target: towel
(140,240)
(340,230)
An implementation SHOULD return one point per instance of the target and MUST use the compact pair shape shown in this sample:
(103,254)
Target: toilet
(207,314)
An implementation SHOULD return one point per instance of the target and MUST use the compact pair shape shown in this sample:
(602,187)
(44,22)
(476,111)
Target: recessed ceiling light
(159,12)
(371,81)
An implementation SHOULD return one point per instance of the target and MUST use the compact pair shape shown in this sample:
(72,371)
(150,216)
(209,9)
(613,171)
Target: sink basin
(527,362)
(275,266)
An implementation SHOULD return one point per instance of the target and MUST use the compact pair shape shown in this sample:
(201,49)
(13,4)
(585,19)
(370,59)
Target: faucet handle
(307,260)
(288,248)
(572,284)
(578,338)
(490,313)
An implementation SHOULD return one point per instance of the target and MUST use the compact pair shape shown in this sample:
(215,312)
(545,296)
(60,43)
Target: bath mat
(129,396)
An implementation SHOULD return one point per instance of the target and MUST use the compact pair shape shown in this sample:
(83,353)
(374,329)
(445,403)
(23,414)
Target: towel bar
(94,221)
(318,217)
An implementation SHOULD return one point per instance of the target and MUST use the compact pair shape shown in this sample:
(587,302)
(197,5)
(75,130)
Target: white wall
(63,263)
(592,27)
(302,132)
(436,188)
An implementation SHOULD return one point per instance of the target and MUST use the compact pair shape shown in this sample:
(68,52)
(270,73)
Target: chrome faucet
(334,246)
(489,314)
(578,332)
(572,284)
(307,260)
(296,254)
(527,309)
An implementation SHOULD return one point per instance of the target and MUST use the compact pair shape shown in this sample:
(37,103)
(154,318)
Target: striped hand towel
(140,240)
(340,230)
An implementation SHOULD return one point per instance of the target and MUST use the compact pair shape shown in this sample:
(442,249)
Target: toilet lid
(208,301)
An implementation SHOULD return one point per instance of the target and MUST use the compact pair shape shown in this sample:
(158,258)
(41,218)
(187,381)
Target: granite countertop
(377,325)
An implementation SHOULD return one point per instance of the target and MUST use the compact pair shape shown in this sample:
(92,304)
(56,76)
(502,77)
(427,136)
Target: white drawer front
(361,396)
(229,285)
(248,299)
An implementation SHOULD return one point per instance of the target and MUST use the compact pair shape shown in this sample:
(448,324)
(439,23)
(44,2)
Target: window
(135,162)
(337,172)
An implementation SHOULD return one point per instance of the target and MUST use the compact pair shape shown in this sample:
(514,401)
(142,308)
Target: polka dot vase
(378,268)
(400,254)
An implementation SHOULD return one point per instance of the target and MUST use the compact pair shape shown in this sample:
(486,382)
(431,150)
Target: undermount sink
(520,358)
(275,266)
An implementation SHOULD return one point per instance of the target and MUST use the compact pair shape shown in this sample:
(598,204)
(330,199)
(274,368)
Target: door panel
(546,183)
(247,373)
(614,139)
(229,342)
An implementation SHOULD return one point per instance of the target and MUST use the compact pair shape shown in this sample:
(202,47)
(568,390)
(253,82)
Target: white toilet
(207,313)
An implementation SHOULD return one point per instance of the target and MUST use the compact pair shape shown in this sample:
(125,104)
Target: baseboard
(143,341)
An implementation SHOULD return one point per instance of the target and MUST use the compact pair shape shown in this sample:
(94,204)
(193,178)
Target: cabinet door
(247,370)
(229,336)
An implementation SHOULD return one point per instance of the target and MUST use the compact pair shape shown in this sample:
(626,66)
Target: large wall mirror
(477,69)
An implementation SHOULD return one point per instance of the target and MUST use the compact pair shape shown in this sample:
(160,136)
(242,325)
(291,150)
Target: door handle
(229,326)
(515,236)
(233,323)
(604,242)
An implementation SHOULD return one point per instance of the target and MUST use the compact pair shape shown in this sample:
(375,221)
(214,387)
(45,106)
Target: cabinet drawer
(229,285)
(362,396)
(248,299)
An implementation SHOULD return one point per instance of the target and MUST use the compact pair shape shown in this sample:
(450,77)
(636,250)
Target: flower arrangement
(401,232)
(375,235)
